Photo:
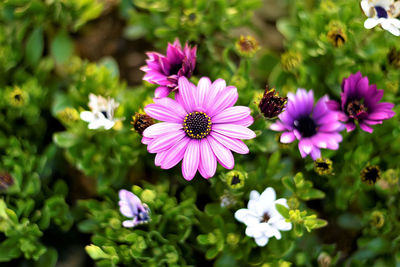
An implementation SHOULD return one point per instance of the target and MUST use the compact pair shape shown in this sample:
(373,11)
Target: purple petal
(366,128)
(172,105)
(278,126)
(234,131)
(287,137)
(330,127)
(332,104)
(161,92)
(175,154)
(315,153)
(379,116)
(187,93)
(224,155)
(164,142)
(216,87)
(161,113)
(233,144)
(306,145)
(191,160)
(225,99)
(350,126)
(160,129)
(203,88)
(362,87)
(208,162)
(232,114)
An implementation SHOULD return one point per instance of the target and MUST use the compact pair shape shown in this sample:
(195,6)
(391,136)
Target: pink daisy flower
(200,127)
(166,70)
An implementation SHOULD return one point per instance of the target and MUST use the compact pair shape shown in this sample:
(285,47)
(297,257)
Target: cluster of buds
(271,104)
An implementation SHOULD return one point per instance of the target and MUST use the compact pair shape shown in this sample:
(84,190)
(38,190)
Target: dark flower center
(371,174)
(197,125)
(355,109)
(322,165)
(18,97)
(174,68)
(192,16)
(306,126)
(235,180)
(104,113)
(143,216)
(265,217)
(381,12)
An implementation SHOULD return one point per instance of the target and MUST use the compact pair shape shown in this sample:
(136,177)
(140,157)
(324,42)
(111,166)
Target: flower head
(315,126)
(131,207)
(6,180)
(377,219)
(141,122)
(271,104)
(323,166)
(371,174)
(247,46)
(382,12)
(235,179)
(261,217)
(200,127)
(166,70)
(360,102)
(17,97)
(68,115)
(290,60)
(336,34)
(101,114)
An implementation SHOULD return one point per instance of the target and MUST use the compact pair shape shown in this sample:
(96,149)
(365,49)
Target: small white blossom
(262,218)
(384,13)
(101,114)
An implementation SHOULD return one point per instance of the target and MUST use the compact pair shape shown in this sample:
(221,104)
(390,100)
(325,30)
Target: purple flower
(166,70)
(200,127)
(131,207)
(315,127)
(360,102)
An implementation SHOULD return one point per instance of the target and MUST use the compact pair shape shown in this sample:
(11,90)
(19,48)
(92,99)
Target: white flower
(262,218)
(101,114)
(383,12)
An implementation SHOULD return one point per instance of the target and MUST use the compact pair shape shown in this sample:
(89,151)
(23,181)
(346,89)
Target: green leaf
(202,239)
(96,252)
(65,139)
(288,183)
(49,259)
(212,253)
(34,46)
(62,47)
(283,210)
(312,194)
(213,209)
(298,229)
(9,249)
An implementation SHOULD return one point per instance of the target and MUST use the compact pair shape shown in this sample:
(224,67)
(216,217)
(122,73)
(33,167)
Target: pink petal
(162,113)
(232,114)
(216,87)
(187,93)
(306,145)
(366,128)
(287,137)
(203,88)
(378,116)
(161,128)
(172,105)
(224,155)
(225,99)
(233,144)
(175,154)
(160,158)
(315,153)
(146,140)
(164,142)
(278,126)
(161,92)
(331,126)
(234,131)
(191,160)
(208,162)
(350,126)
(246,122)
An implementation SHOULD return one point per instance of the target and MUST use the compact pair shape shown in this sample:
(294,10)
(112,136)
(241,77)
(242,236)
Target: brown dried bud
(141,122)
(247,46)
(6,180)
(271,104)
(337,37)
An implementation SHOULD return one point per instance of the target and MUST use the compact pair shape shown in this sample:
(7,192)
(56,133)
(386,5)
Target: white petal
(254,195)
(261,241)
(370,23)
(247,217)
(128,224)
(96,124)
(390,27)
(87,116)
(366,7)
(253,231)
(283,225)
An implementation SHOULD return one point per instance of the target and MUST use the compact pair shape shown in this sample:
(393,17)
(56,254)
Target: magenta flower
(200,127)
(315,127)
(360,102)
(131,207)
(166,70)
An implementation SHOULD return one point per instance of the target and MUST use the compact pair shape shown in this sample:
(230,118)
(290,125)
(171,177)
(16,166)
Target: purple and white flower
(360,102)
(200,127)
(261,217)
(131,207)
(101,114)
(384,13)
(315,127)
(166,70)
